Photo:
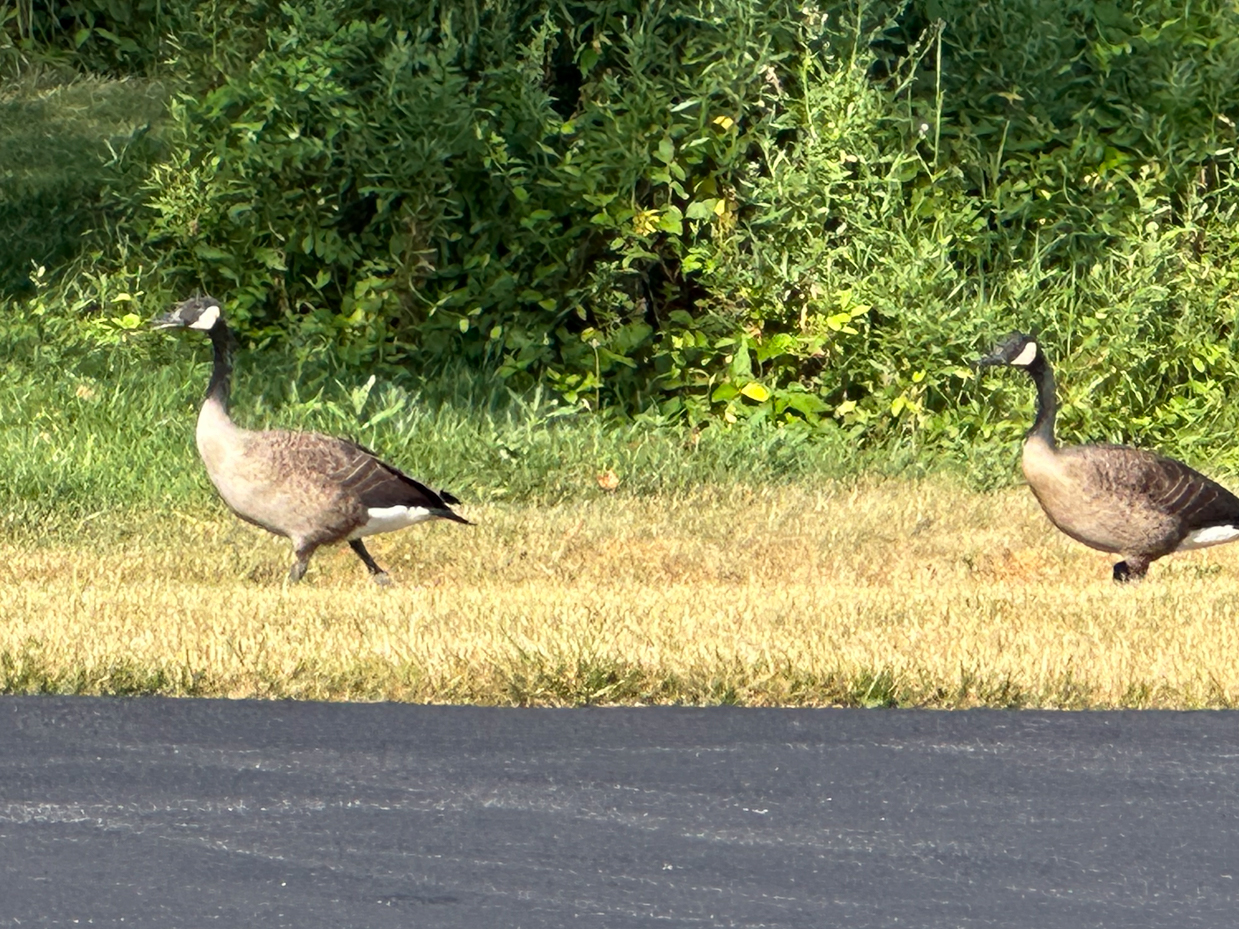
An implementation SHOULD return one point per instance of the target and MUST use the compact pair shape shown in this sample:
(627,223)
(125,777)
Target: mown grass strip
(891,593)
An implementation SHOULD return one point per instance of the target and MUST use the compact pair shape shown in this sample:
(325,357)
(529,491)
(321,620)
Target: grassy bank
(909,593)
(95,427)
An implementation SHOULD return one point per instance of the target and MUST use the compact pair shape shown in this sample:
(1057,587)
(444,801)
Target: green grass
(67,147)
(97,417)
(97,430)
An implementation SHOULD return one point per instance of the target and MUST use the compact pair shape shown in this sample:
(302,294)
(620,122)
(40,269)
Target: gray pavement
(184,813)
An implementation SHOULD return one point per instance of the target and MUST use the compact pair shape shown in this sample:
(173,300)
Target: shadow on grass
(69,148)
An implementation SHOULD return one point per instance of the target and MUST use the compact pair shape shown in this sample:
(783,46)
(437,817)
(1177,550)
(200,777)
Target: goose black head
(1019,350)
(202,313)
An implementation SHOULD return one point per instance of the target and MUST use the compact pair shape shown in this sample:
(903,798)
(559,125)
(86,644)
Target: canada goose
(1111,497)
(313,489)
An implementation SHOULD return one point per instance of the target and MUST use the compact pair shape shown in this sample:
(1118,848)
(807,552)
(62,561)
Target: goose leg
(379,575)
(1133,569)
(297,572)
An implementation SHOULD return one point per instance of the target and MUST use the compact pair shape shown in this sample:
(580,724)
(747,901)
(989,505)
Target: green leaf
(271,258)
(741,366)
(211,253)
(778,344)
(804,402)
(627,338)
(701,209)
(671,220)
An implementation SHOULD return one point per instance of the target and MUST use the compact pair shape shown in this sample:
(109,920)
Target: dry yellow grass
(910,593)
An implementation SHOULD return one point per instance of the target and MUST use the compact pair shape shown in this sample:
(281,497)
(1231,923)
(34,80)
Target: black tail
(445,513)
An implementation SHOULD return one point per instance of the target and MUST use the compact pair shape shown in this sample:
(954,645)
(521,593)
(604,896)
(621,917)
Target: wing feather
(1171,486)
(355,468)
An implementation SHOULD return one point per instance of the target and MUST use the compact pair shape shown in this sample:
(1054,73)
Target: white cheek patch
(209,317)
(389,519)
(1210,535)
(1026,355)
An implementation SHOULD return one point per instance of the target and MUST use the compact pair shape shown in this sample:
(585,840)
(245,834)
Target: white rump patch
(1210,535)
(389,519)
(209,317)
(1026,355)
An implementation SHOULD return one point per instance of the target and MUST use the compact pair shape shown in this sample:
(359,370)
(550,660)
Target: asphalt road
(180,813)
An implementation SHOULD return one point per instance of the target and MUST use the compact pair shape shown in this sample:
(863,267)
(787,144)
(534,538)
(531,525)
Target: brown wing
(360,472)
(379,484)
(1170,486)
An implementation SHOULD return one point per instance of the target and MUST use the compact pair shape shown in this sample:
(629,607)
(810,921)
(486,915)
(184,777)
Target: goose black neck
(1047,405)
(221,371)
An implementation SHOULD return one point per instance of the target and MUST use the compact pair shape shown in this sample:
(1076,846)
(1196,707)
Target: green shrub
(804,215)
(543,191)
